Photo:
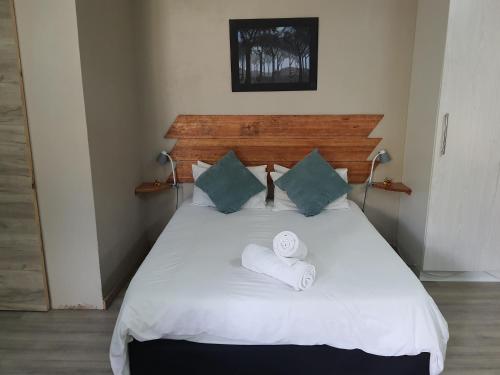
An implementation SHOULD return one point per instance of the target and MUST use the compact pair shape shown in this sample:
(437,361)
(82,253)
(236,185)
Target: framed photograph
(275,54)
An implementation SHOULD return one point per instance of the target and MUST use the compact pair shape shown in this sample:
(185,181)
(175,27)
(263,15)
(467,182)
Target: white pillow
(283,203)
(280,168)
(200,198)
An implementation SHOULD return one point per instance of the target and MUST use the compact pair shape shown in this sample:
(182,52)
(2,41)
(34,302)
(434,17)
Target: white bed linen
(192,286)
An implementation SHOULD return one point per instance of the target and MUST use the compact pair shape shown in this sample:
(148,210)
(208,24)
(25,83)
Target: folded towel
(260,259)
(289,248)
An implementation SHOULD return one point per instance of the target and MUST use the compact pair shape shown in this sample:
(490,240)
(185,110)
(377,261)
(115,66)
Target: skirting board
(488,277)
(108,299)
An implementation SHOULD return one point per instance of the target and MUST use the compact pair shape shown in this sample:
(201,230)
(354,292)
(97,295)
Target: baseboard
(109,298)
(488,277)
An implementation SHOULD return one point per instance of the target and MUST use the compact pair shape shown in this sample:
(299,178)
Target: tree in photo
(247,39)
(297,41)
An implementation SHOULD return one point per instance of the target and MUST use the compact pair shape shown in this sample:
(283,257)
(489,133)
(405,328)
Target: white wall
(365,56)
(52,76)
(182,66)
(107,41)
(428,57)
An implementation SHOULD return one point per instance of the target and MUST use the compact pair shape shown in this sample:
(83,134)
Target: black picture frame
(294,39)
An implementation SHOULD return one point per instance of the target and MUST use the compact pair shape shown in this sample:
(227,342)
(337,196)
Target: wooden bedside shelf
(395,186)
(152,187)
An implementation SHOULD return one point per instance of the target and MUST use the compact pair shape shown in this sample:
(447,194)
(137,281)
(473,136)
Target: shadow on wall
(412,256)
(125,269)
(161,207)
(376,200)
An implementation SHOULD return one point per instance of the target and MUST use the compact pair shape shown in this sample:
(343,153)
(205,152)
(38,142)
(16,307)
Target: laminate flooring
(77,341)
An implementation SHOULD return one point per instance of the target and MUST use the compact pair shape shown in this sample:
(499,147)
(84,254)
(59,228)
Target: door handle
(444,135)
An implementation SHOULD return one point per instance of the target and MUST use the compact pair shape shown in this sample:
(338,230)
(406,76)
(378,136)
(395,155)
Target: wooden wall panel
(272,126)
(22,270)
(264,150)
(357,170)
(273,139)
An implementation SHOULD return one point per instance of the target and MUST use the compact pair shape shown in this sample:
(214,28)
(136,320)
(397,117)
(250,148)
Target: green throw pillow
(312,184)
(229,184)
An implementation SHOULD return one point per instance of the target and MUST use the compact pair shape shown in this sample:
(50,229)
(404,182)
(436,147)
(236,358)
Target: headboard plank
(272,126)
(249,150)
(357,171)
(273,139)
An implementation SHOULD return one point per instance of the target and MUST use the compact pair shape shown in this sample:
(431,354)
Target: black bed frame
(172,357)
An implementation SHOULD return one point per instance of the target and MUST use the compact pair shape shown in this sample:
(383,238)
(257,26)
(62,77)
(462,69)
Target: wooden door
(23,283)
(463,228)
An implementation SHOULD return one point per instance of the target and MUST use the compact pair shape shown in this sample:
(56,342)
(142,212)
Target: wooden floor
(472,311)
(77,342)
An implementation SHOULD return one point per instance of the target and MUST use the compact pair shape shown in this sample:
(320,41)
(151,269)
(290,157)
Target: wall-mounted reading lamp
(383,157)
(162,159)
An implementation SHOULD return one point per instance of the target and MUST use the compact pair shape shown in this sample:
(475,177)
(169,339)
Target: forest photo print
(279,54)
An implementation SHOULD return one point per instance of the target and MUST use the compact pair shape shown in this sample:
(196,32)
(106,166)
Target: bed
(191,305)
(192,308)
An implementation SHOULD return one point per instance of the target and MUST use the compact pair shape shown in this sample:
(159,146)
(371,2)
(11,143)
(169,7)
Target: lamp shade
(383,156)
(162,158)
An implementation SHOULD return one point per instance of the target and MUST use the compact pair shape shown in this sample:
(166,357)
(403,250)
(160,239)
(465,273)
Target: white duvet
(192,286)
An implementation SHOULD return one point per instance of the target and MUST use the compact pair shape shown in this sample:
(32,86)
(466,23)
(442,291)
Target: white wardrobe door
(463,227)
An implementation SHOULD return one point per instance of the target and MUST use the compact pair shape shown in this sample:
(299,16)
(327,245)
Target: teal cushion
(312,184)
(229,184)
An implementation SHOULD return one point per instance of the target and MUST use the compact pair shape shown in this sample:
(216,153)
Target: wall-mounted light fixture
(383,157)
(162,159)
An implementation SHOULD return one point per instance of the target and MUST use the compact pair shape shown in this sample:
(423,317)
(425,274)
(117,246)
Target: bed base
(174,357)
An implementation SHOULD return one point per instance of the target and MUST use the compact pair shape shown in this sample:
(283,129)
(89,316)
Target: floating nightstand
(393,186)
(157,186)
(152,187)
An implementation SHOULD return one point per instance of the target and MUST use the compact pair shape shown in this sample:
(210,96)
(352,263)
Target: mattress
(192,287)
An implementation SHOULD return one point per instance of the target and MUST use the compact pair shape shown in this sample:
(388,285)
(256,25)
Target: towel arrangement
(289,248)
(286,263)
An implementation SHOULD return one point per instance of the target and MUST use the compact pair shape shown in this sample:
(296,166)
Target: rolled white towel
(260,259)
(288,247)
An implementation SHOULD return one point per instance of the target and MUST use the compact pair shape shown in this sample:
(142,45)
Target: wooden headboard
(267,139)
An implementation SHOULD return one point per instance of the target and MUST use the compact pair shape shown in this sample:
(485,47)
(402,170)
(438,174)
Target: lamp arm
(371,170)
(173,169)
(369,182)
